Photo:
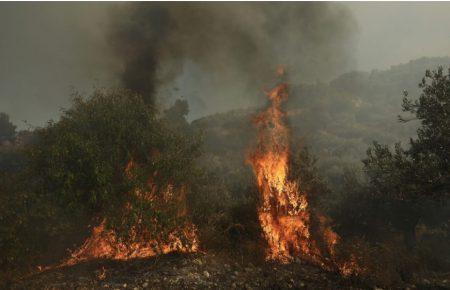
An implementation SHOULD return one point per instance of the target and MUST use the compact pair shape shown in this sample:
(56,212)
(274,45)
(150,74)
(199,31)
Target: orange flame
(284,212)
(105,243)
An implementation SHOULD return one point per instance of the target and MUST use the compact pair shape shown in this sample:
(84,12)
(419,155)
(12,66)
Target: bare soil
(193,271)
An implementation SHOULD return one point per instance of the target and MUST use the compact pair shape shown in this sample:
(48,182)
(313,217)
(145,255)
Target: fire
(284,213)
(288,224)
(105,243)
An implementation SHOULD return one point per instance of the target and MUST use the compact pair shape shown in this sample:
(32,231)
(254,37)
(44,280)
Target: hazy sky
(46,49)
(397,32)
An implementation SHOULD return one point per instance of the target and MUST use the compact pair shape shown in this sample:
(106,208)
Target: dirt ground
(194,271)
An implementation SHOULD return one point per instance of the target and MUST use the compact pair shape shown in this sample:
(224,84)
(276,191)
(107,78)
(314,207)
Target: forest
(116,178)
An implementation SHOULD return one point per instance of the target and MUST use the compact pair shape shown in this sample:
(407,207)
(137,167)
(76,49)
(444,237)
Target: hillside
(336,120)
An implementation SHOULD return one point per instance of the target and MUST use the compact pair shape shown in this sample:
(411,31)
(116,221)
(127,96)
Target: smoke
(46,51)
(219,56)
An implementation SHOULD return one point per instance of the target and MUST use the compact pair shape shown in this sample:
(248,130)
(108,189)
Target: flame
(351,267)
(105,243)
(284,212)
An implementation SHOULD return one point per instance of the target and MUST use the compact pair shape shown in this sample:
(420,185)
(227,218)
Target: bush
(225,210)
(78,171)
(387,264)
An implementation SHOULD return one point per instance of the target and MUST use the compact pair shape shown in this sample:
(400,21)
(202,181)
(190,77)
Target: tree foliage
(82,159)
(423,169)
(7,129)
(90,165)
(413,183)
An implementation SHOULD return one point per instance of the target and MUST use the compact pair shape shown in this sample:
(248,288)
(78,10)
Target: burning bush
(78,172)
(291,226)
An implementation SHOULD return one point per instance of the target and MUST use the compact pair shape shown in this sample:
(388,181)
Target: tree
(96,162)
(432,147)
(304,170)
(7,129)
(83,158)
(410,178)
(175,116)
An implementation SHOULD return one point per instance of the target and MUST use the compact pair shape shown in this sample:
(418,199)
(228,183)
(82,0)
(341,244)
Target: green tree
(410,178)
(7,129)
(78,171)
(82,159)
(304,170)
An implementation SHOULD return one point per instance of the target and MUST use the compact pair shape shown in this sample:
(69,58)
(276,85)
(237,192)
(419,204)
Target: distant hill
(337,120)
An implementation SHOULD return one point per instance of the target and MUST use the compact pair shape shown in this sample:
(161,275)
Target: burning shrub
(83,158)
(291,221)
(108,157)
(384,264)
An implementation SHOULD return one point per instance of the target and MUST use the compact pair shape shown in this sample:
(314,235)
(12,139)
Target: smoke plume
(220,55)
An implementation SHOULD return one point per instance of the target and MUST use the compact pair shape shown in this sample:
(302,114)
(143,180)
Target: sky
(48,50)
(391,33)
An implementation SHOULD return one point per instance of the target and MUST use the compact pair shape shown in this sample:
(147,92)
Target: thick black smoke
(222,54)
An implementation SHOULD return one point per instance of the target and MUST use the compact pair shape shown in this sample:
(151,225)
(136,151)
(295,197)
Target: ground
(191,271)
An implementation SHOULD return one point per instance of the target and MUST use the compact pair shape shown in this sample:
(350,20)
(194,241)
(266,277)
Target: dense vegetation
(402,204)
(392,208)
(74,172)
(390,194)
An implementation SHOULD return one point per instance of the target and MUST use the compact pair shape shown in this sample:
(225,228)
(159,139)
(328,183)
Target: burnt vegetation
(390,208)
